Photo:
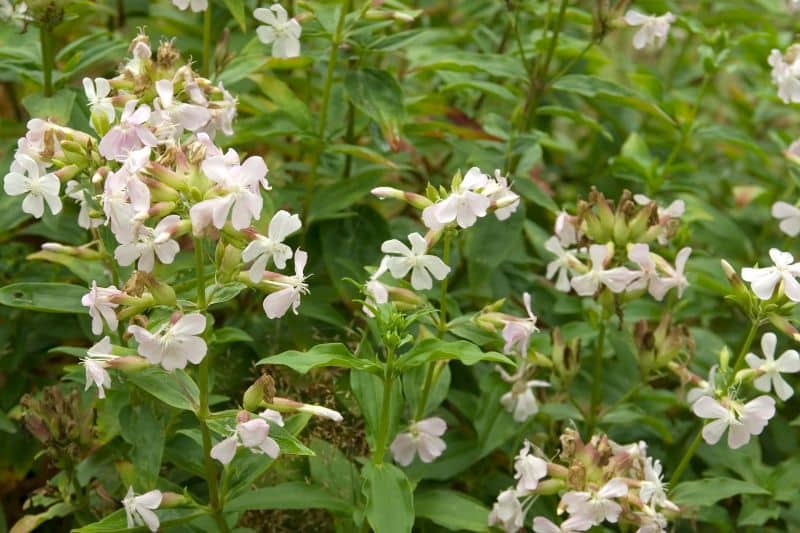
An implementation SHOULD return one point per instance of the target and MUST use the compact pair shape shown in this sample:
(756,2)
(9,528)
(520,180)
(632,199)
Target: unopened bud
(783,325)
(263,390)
(128,363)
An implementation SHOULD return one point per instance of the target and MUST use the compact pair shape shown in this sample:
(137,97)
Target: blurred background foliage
(443,85)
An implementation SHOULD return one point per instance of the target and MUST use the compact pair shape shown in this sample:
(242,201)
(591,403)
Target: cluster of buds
(61,423)
(152,175)
(660,345)
(599,481)
(614,239)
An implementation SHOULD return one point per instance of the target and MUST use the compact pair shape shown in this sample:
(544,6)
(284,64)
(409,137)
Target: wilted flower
(464,204)
(501,196)
(149,243)
(421,265)
(770,370)
(282,32)
(139,509)
(654,30)
(291,289)
(262,249)
(520,400)
(101,306)
(789,217)
(528,469)
(741,420)
(28,177)
(173,344)
(95,365)
(423,439)
(764,280)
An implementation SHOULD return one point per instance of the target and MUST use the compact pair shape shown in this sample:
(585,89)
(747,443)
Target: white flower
(223,113)
(225,450)
(97,95)
(101,306)
(786,75)
(565,229)
(262,249)
(704,388)
(616,279)
(291,288)
(14,13)
(421,265)
(150,242)
(674,277)
(173,344)
(272,416)
(520,400)
(562,265)
(507,512)
(125,195)
(764,280)
(789,216)
(651,521)
(321,412)
(26,176)
(139,509)
(76,192)
(599,506)
(517,332)
(252,434)
(130,134)
(240,186)
(528,470)
(740,420)
(464,205)
(95,366)
(376,294)
(190,117)
(793,5)
(502,198)
(647,276)
(652,489)
(653,31)
(195,5)
(770,370)
(282,32)
(570,525)
(423,439)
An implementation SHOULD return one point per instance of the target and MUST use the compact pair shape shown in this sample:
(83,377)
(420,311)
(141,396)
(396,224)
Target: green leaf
(229,335)
(145,433)
(709,491)
(236,7)
(593,87)
(58,106)
(378,95)
(330,469)
(173,388)
(534,194)
(292,495)
(217,294)
(85,269)
(322,355)
(28,523)
(389,498)
(361,152)
(451,509)
(368,391)
(435,349)
(46,297)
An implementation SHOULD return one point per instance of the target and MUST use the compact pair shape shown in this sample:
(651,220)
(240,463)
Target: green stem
(597,376)
(206,66)
(386,407)
(748,341)
(201,273)
(431,375)
(676,476)
(46,39)
(443,299)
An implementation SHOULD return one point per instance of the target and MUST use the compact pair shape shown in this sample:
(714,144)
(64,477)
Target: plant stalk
(676,476)
(206,65)
(597,376)
(386,408)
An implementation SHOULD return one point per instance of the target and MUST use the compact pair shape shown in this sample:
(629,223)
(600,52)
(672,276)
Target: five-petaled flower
(290,289)
(100,105)
(130,134)
(770,370)
(789,216)
(139,509)
(616,279)
(596,506)
(421,265)
(26,176)
(149,244)
(280,30)
(653,30)
(517,331)
(464,204)
(741,420)
(95,366)
(262,249)
(507,512)
(101,304)
(253,434)
(423,438)
(528,469)
(763,280)
(174,343)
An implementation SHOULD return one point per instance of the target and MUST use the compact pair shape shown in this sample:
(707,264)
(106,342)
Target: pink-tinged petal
(615,488)
(430,447)
(300,260)
(641,38)
(738,436)
(146,261)
(194,349)
(762,408)
(634,18)
(253,432)
(277,303)
(434,426)
(598,253)
(682,258)
(167,251)
(216,169)
(225,450)
(165,92)
(253,171)
(192,117)
(640,254)
(256,272)
(543,525)
(270,448)
(220,209)
(191,324)
(403,449)
(617,279)
(713,431)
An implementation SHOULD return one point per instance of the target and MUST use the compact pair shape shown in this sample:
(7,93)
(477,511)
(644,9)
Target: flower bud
(550,486)
(783,325)
(128,363)
(262,391)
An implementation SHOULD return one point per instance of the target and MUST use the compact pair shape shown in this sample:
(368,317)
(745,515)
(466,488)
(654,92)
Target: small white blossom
(517,332)
(195,5)
(651,521)
(599,506)
(764,280)
(95,366)
(149,244)
(254,435)
(173,344)
(673,277)
(180,115)
(282,32)
(786,74)
(423,439)
(464,204)
(76,192)
(789,216)
(502,198)
(528,470)
(507,512)
(653,30)
(28,177)
(616,279)
(652,490)
(130,134)
(101,306)
(566,230)
(421,265)
(321,412)
(741,420)
(770,370)
(291,288)
(262,249)
(520,400)
(16,14)
(562,265)
(97,92)
(139,509)
(704,388)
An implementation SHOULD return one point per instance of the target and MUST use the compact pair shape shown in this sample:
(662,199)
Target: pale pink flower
(149,244)
(139,509)
(565,229)
(76,192)
(195,5)
(653,30)
(173,344)
(291,288)
(616,279)
(673,277)
(789,216)
(95,363)
(517,332)
(520,400)
(528,470)
(770,370)
(598,506)
(502,198)
(741,420)
(507,512)
(130,134)
(182,115)
(423,439)
(570,525)
(280,30)
(26,176)
(562,265)
(262,249)
(100,301)
(786,75)
(97,92)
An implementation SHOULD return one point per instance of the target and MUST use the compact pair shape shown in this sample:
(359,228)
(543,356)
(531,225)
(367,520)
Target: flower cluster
(600,481)
(786,73)
(598,232)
